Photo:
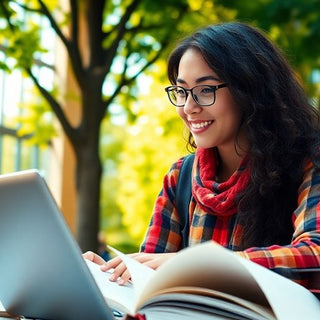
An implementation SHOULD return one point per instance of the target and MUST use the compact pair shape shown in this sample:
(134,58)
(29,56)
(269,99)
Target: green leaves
(293,24)
(19,37)
(36,121)
(22,46)
(151,145)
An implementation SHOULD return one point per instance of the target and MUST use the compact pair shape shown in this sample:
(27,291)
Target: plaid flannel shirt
(163,234)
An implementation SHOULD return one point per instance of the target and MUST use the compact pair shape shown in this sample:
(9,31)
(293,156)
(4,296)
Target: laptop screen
(42,272)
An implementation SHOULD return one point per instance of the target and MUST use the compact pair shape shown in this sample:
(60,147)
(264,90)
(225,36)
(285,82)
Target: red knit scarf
(213,197)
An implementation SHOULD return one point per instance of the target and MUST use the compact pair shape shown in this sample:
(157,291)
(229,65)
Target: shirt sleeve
(164,231)
(304,249)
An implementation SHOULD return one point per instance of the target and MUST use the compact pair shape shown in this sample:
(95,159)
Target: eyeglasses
(203,95)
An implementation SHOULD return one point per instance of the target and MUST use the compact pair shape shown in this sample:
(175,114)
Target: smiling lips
(200,125)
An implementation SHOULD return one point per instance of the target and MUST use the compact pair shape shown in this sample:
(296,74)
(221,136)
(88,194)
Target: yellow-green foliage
(152,144)
(36,121)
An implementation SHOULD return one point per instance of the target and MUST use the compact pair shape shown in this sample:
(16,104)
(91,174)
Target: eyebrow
(199,80)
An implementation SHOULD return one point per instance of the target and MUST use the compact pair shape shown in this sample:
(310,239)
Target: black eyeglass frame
(214,88)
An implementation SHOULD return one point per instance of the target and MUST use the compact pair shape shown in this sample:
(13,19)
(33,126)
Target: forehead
(192,66)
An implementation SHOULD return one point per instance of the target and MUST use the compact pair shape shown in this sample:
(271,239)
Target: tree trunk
(88,178)
(89,168)
(88,164)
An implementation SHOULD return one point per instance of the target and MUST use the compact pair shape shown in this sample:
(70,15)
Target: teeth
(200,124)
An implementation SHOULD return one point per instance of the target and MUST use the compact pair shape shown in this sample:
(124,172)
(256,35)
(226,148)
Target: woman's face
(216,125)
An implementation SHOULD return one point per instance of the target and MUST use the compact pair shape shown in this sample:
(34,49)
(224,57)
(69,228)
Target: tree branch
(45,11)
(13,132)
(96,36)
(121,31)
(127,81)
(70,132)
(74,19)
(72,44)
(27,8)
(124,81)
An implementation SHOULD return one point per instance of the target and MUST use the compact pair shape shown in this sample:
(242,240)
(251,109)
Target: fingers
(120,273)
(89,255)
(125,277)
(154,261)
(111,264)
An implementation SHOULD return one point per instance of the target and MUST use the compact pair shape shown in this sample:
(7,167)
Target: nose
(191,106)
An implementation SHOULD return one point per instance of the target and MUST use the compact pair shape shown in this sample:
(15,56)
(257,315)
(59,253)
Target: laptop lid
(42,272)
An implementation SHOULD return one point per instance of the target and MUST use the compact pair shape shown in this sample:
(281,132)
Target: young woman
(256,172)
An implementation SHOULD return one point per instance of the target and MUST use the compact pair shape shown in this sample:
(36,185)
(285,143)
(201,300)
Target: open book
(207,281)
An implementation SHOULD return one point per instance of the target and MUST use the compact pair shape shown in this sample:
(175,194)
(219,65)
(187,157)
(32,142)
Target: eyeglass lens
(203,95)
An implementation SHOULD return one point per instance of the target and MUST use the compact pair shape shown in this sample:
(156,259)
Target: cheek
(183,117)
(232,112)
(231,120)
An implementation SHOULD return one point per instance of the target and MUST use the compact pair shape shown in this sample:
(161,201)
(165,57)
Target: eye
(206,90)
(180,92)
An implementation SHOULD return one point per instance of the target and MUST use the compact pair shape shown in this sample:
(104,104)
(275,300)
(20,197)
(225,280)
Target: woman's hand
(121,273)
(89,255)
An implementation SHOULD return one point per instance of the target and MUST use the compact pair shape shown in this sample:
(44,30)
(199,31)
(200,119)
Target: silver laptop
(42,272)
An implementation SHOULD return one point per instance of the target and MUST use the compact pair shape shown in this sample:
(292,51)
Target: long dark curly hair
(282,127)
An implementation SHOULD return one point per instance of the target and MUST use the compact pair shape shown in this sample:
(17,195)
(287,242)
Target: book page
(140,274)
(288,299)
(117,297)
(213,299)
(210,266)
(123,298)
(207,266)
(147,282)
